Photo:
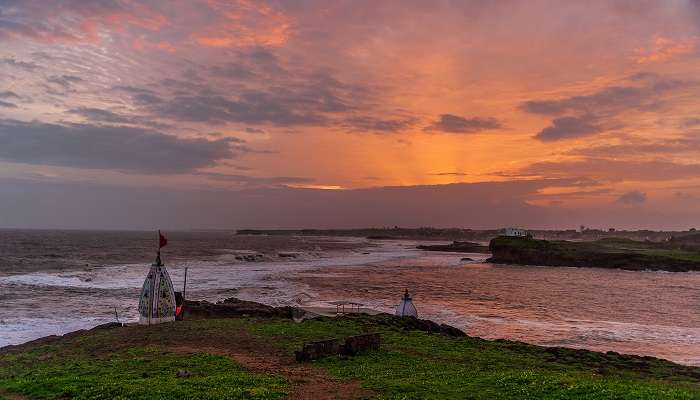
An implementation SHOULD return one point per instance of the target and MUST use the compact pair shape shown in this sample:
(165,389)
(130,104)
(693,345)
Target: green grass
(120,363)
(605,245)
(416,365)
(139,373)
(605,253)
(679,254)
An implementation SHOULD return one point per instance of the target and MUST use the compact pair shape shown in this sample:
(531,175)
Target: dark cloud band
(109,147)
(455,124)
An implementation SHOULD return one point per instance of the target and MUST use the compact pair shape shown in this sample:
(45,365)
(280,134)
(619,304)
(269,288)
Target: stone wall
(351,346)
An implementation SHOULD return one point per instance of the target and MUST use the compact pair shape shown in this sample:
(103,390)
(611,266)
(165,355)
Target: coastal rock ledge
(236,308)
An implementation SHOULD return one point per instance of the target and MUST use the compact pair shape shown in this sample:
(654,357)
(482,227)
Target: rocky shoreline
(236,308)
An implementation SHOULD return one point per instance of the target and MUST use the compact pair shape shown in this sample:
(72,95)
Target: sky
(121,114)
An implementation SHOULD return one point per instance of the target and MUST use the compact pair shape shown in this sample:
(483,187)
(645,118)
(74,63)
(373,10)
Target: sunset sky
(229,114)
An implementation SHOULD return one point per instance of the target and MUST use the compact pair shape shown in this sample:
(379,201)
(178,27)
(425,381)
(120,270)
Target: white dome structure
(157,301)
(406,307)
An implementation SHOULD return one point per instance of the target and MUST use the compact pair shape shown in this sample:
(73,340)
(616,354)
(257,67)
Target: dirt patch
(11,396)
(258,355)
(263,356)
(308,383)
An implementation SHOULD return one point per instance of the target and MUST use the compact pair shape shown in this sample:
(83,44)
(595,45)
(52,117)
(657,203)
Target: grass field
(244,358)
(140,372)
(605,253)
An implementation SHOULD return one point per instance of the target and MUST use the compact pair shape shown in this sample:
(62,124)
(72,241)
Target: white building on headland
(516,232)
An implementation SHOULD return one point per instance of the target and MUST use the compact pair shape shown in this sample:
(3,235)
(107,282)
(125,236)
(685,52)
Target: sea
(54,282)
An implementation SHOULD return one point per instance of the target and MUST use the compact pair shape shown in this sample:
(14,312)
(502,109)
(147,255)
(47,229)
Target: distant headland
(463,234)
(676,255)
(674,251)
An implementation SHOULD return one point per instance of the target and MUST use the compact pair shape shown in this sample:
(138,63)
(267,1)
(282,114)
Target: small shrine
(406,307)
(157,302)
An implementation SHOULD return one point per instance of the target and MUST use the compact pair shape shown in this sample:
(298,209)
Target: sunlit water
(56,282)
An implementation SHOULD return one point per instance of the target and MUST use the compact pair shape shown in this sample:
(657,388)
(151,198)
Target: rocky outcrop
(108,325)
(235,308)
(457,247)
(250,257)
(413,324)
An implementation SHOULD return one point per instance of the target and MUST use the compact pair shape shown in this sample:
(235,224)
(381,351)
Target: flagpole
(158,262)
(184,287)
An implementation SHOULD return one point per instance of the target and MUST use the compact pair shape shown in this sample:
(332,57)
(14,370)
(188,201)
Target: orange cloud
(78,23)
(143,44)
(48,36)
(331,72)
(246,23)
(277,36)
(664,49)
(319,187)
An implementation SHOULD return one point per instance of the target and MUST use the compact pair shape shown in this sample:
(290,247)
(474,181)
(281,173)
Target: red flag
(162,241)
